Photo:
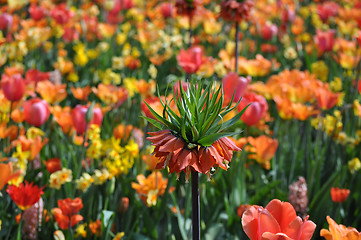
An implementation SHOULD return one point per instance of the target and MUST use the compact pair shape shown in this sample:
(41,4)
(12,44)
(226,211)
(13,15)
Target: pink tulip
(256,111)
(6,20)
(325,40)
(191,59)
(232,83)
(36,111)
(78,116)
(166,9)
(36,13)
(13,87)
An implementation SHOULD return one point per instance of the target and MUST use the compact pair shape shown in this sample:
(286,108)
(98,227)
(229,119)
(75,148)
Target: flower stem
(190,32)
(236,38)
(355,90)
(195,207)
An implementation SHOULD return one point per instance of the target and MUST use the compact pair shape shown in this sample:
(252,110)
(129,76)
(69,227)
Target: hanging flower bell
(236,10)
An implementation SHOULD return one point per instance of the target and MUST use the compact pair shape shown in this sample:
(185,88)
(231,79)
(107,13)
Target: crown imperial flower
(197,140)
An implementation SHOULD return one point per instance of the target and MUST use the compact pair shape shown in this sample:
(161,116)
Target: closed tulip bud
(166,9)
(234,84)
(256,111)
(13,86)
(110,186)
(190,60)
(268,31)
(79,118)
(124,204)
(36,111)
(36,13)
(6,20)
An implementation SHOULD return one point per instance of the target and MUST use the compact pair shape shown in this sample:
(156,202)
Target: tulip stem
(195,207)
(236,39)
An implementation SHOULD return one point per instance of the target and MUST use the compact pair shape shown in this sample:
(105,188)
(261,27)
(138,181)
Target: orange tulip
(339,195)
(122,132)
(339,232)
(7,174)
(262,149)
(81,93)
(66,214)
(325,98)
(277,221)
(111,94)
(53,165)
(150,188)
(34,146)
(63,117)
(50,92)
(10,131)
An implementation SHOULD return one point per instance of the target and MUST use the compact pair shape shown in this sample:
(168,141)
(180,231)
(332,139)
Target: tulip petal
(272,236)
(283,212)
(250,222)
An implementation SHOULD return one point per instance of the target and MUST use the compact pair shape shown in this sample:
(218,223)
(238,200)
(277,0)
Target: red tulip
(126,4)
(61,14)
(339,195)
(268,31)
(256,111)
(70,207)
(176,89)
(6,20)
(166,9)
(66,214)
(232,83)
(277,221)
(325,40)
(327,10)
(36,13)
(53,165)
(34,75)
(36,111)
(79,121)
(25,195)
(191,59)
(288,15)
(13,86)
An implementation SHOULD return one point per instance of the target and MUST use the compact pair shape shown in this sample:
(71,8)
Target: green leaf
(89,113)
(210,139)
(262,193)
(233,120)
(155,123)
(107,222)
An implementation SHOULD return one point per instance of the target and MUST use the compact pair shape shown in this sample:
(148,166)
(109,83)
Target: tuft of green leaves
(200,114)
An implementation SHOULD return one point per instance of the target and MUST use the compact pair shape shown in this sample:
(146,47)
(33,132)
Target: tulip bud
(232,83)
(256,111)
(79,117)
(110,186)
(6,20)
(36,112)
(13,86)
(166,9)
(124,205)
(89,114)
